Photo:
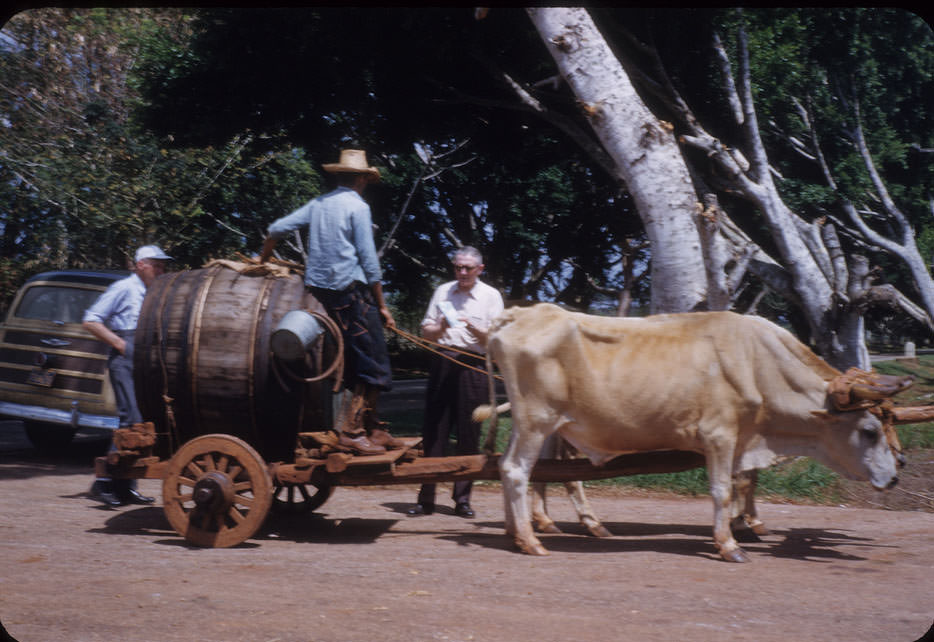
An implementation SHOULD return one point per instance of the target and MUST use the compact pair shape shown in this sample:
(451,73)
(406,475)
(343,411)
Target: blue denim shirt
(119,306)
(341,249)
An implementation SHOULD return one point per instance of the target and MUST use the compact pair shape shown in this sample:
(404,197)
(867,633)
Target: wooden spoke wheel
(299,498)
(217,491)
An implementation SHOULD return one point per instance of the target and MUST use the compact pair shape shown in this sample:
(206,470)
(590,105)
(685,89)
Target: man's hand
(480,334)
(268,245)
(105,334)
(388,321)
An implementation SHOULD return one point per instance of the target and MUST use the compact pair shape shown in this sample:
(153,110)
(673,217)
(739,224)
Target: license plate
(40,377)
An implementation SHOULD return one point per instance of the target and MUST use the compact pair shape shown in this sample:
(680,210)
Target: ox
(738,389)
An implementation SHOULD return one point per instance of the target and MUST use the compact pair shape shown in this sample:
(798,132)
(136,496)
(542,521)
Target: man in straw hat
(343,272)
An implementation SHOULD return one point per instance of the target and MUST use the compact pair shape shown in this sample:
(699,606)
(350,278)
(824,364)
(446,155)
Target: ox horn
(880,386)
(861,389)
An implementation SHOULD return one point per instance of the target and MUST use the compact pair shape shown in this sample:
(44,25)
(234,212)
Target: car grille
(83,357)
(61,382)
(35,339)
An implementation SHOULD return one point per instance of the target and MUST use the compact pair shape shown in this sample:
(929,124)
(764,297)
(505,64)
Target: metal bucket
(296,333)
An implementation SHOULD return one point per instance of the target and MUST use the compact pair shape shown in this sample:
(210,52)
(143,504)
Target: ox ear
(822,414)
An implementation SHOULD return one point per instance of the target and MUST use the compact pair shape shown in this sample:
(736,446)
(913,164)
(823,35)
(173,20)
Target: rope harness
(437,348)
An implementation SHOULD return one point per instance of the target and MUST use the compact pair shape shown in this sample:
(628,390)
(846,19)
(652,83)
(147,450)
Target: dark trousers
(121,378)
(453,392)
(366,359)
(120,367)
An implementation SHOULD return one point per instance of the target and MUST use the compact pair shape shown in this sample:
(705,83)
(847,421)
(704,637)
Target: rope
(166,399)
(435,347)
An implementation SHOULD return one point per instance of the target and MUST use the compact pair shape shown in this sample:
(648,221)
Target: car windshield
(56,303)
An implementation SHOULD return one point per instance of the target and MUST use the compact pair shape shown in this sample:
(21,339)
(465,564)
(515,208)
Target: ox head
(860,415)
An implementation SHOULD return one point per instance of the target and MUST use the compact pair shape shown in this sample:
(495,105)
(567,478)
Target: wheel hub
(214,492)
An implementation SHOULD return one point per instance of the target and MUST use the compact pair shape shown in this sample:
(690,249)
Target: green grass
(798,479)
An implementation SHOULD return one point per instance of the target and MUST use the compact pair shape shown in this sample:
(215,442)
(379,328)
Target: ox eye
(871,434)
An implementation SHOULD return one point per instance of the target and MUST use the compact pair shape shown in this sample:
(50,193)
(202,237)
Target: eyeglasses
(465,268)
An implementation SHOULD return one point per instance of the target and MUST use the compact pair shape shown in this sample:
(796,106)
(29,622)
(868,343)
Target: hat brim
(337,168)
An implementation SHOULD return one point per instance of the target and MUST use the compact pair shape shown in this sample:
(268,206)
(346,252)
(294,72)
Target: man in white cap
(342,271)
(112,319)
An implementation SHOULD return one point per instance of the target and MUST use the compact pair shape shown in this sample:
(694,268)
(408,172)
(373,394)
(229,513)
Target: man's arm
(268,245)
(105,334)
(377,289)
(281,227)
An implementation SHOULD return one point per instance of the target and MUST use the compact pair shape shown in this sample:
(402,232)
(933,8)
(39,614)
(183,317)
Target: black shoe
(102,491)
(133,496)
(463,510)
(421,509)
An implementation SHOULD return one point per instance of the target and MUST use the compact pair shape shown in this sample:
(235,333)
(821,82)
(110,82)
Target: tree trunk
(643,148)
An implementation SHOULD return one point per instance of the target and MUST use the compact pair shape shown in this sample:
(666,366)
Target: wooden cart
(217,490)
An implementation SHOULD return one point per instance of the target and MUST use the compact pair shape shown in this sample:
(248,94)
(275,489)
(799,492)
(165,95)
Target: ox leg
(721,490)
(515,470)
(540,518)
(744,514)
(584,511)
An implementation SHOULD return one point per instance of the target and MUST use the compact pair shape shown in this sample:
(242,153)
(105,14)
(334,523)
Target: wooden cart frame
(217,491)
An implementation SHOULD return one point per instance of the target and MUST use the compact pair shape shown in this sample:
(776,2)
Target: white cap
(151,252)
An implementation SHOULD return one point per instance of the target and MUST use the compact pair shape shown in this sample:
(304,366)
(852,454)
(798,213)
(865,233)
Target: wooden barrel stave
(203,342)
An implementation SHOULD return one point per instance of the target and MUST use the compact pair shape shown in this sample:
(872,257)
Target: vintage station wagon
(53,373)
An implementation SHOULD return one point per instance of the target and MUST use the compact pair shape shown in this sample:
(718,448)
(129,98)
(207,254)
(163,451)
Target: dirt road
(360,570)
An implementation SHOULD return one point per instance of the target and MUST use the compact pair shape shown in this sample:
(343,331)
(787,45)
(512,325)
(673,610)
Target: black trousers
(453,392)
(366,359)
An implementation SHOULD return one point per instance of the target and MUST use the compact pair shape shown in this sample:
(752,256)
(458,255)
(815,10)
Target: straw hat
(353,161)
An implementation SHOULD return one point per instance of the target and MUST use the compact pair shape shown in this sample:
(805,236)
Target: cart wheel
(299,498)
(216,491)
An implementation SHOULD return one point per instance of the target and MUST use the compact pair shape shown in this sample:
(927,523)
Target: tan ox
(738,389)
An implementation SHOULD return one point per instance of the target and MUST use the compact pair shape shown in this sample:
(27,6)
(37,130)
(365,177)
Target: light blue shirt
(341,249)
(118,307)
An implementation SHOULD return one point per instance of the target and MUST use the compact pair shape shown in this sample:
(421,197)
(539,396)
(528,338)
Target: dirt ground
(360,570)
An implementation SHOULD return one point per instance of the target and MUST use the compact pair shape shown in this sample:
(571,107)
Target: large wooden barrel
(202,362)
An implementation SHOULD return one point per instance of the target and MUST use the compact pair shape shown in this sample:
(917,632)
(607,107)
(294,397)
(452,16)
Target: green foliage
(82,184)
(688,482)
(799,478)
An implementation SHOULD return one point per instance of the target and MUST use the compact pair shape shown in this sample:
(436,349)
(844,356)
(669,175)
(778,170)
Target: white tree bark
(643,148)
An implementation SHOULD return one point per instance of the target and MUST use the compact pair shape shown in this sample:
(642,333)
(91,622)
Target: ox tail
(484,412)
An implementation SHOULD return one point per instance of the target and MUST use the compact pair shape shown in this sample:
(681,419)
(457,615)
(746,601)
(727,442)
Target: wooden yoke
(868,390)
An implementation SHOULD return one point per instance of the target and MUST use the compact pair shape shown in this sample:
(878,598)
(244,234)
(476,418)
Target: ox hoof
(736,555)
(599,531)
(745,531)
(532,548)
(550,528)
(760,529)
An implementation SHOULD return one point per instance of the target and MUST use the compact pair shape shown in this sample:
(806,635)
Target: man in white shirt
(459,316)
(112,319)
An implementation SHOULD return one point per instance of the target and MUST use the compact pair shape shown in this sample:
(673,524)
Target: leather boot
(350,426)
(359,444)
(376,429)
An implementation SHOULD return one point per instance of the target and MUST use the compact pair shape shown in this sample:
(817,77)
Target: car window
(56,303)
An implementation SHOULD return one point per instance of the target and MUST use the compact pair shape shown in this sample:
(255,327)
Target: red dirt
(360,570)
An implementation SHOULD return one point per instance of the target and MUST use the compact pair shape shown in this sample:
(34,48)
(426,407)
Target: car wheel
(49,438)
